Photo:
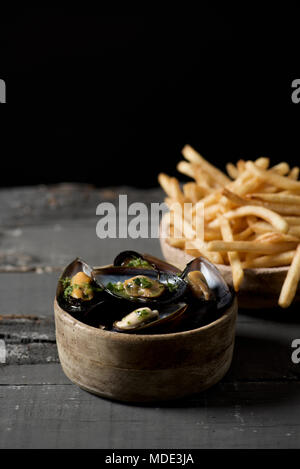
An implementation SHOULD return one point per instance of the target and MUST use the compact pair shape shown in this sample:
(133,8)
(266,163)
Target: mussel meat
(78,290)
(206,280)
(150,319)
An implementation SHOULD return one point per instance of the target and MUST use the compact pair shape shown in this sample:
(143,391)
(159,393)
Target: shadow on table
(289,315)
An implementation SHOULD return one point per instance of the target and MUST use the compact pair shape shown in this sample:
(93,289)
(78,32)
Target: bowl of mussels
(141,330)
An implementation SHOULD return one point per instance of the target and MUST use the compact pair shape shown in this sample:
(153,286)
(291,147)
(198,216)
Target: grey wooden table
(257,404)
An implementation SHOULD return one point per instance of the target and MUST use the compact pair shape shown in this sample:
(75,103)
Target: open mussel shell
(169,317)
(74,305)
(221,293)
(145,261)
(132,259)
(175,286)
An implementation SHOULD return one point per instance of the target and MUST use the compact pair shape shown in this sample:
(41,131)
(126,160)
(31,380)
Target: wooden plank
(38,225)
(36,205)
(27,294)
(57,245)
(257,415)
(38,374)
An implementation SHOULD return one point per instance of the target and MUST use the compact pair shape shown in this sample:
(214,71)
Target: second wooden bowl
(260,288)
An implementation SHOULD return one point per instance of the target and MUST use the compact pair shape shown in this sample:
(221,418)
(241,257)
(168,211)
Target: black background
(112,99)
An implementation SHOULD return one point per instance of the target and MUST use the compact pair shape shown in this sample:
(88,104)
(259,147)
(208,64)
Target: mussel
(141,285)
(145,319)
(214,287)
(77,289)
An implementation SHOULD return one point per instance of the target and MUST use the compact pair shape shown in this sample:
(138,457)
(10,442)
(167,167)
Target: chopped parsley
(143,282)
(143,313)
(138,262)
(115,287)
(86,288)
(172,286)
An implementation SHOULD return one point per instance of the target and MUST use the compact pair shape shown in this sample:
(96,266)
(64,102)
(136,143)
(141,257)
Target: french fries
(250,218)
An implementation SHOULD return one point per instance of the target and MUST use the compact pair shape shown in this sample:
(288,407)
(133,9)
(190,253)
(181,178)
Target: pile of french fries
(250,217)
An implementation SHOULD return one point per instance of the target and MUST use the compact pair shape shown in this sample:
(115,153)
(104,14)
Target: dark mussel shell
(170,316)
(221,293)
(125,257)
(175,285)
(73,305)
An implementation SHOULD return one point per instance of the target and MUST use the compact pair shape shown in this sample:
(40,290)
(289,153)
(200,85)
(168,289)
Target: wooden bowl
(260,288)
(145,368)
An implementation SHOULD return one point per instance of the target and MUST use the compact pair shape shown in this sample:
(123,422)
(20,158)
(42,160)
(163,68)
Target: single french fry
(237,271)
(267,188)
(260,227)
(164,181)
(215,257)
(276,260)
(250,246)
(243,235)
(189,169)
(281,168)
(281,208)
(193,192)
(241,166)
(235,198)
(232,170)
(176,190)
(275,237)
(194,157)
(203,178)
(262,162)
(176,242)
(211,235)
(185,168)
(292,220)
(211,199)
(290,284)
(294,174)
(295,231)
(272,177)
(276,198)
(244,184)
(271,217)
(211,211)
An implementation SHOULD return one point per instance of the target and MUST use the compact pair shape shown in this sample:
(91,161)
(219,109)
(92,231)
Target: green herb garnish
(143,282)
(138,262)
(172,286)
(143,313)
(85,287)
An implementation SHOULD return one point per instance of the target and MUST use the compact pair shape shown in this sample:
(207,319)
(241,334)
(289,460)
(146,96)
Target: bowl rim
(226,316)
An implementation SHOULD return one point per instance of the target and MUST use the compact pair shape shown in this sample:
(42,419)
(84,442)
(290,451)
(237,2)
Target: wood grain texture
(244,415)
